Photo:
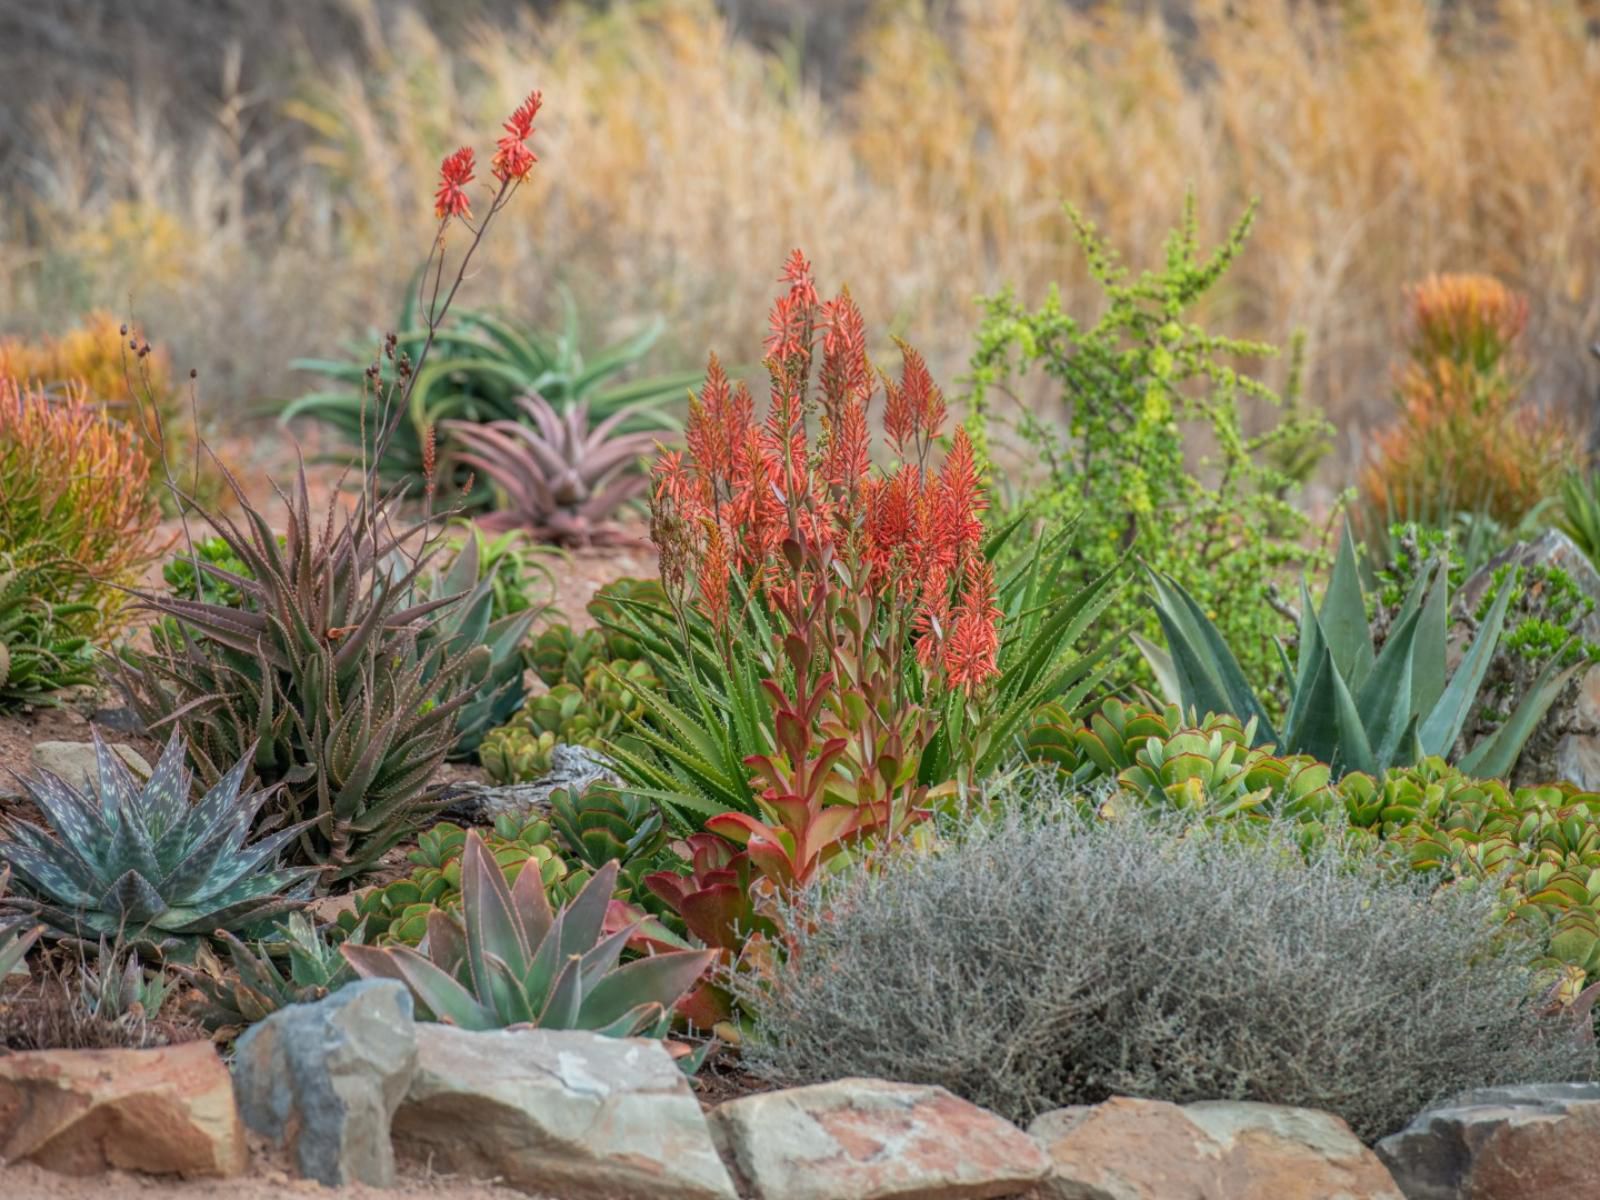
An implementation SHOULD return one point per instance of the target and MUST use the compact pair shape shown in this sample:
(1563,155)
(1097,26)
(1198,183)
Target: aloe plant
(480,367)
(252,986)
(15,941)
(1352,705)
(143,862)
(511,960)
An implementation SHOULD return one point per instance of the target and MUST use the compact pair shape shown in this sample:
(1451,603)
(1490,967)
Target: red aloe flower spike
(713,578)
(797,274)
(923,395)
(960,497)
(512,158)
(846,375)
(455,172)
(974,643)
(932,622)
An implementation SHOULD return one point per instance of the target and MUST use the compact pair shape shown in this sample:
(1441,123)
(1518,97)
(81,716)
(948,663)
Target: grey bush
(1044,960)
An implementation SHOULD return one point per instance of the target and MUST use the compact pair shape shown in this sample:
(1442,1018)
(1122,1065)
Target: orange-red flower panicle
(455,172)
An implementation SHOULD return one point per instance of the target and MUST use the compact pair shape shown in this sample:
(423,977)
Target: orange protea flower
(455,172)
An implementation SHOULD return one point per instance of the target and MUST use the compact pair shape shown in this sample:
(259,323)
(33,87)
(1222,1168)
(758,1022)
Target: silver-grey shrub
(1045,960)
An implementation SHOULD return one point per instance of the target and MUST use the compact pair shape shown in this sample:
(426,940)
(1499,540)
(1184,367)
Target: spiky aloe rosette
(146,864)
(509,959)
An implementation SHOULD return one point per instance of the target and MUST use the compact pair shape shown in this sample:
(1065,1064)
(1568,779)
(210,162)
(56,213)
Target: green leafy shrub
(1140,387)
(1352,705)
(512,960)
(146,862)
(1021,968)
(484,366)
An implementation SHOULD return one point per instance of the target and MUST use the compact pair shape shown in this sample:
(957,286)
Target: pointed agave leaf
(1384,701)
(488,916)
(564,1004)
(1160,663)
(1343,617)
(1442,726)
(662,979)
(1428,671)
(1494,756)
(436,993)
(1208,674)
(584,917)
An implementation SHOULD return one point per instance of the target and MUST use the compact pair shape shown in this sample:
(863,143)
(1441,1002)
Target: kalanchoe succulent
(511,960)
(146,864)
(398,911)
(520,750)
(600,825)
(558,655)
(555,475)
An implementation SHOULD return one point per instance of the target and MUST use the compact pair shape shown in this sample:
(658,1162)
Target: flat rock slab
(1512,1143)
(323,1080)
(864,1139)
(168,1111)
(560,1113)
(75,765)
(1128,1149)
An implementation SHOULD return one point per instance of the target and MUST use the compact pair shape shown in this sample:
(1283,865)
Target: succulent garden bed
(606,797)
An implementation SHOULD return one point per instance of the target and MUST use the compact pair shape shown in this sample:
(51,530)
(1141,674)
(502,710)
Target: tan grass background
(1384,140)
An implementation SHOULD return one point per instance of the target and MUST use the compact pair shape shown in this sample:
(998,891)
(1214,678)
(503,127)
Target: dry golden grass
(1385,141)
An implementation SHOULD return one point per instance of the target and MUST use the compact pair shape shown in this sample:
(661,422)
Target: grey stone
(1524,1142)
(560,1113)
(74,762)
(866,1139)
(325,1079)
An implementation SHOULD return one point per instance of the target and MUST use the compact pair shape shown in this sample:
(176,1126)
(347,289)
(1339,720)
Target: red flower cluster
(512,158)
(454,175)
(743,488)
(512,161)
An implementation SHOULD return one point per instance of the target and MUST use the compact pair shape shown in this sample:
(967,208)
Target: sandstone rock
(869,1140)
(74,762)
(324,1080)
(168,1111)
(560,1113)
(1128,1149)
(1272,1152)
(1512,1143)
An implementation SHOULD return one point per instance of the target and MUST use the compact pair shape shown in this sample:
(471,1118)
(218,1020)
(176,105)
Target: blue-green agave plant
(1351,705)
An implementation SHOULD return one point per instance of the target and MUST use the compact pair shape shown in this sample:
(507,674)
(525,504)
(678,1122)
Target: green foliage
(512,960)
(1351,705)
(689,749)
(332,678)
(145,863)
(203,575)
(252,986)
(470,623)
(558,655)
(520,750)
(480,368)
(118,986)
(1140,387)
(1579,516)
(15,940)
(398,911)
(42,644)
(598,826)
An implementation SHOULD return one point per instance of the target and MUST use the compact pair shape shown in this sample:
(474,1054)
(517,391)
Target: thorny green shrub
(1140,386)
(1022,968)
